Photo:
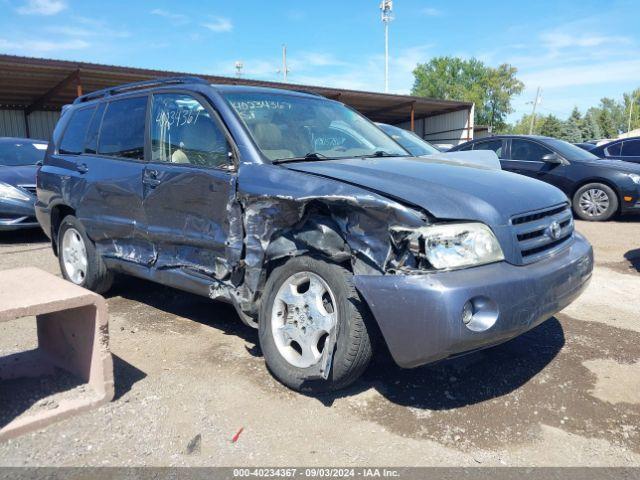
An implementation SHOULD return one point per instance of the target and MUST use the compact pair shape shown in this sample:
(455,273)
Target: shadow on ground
(633,257)
(449,384)
(466,380)
(33,394)
(33,235)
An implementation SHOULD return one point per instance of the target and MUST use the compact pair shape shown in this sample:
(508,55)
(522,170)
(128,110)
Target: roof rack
(105,92)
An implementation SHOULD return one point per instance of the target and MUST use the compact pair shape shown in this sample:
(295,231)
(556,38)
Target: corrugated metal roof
(47,84)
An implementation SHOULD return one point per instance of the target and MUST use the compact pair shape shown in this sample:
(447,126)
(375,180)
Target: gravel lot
(189,376)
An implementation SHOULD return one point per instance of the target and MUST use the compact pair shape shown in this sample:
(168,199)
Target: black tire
(609,212)
(97,278)
(353,349)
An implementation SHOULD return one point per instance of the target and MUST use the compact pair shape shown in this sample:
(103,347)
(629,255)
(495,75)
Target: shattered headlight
(13,193)
(456,245)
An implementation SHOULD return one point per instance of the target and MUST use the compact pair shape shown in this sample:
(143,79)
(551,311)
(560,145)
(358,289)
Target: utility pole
(284,69)
(533,113)
(386,6)
(630,112)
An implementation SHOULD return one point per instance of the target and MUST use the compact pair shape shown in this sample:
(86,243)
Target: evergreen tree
(550,126)
(570,130)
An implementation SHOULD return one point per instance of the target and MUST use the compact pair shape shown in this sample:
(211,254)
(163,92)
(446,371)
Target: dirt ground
(189,376)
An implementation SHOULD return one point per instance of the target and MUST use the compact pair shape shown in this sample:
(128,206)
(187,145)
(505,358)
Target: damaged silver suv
(324,233)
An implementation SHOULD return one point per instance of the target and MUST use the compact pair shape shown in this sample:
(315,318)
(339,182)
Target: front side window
(631,148)
(183,131)
(493,145)
(528,151)
(122,132)
(74,135)
(288,127)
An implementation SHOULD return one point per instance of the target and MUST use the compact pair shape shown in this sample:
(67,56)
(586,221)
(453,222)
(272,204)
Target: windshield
(409,140)
(20,153)
(569,150)
(290,127)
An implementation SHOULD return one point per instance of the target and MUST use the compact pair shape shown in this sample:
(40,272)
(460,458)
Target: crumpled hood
(23,175)
(445,191)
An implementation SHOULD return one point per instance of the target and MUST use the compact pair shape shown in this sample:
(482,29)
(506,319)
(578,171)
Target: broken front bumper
(420,316)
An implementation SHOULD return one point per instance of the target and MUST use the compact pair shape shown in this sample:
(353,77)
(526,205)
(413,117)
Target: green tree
(629,99)
(570,129)
(453,78)
(589,127)
(550,126)
(521,127)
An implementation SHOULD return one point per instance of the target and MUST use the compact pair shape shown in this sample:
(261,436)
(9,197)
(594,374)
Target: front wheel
(311,311)
(80,263)
(595,202)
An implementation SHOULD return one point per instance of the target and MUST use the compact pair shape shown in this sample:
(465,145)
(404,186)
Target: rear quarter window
(122,132)
(631,148)
(74,135)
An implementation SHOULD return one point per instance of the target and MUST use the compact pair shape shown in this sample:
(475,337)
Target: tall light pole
(239,67)
(533,113)
(386,7)
(284,69)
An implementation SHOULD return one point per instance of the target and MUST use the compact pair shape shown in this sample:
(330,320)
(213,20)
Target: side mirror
(552,158)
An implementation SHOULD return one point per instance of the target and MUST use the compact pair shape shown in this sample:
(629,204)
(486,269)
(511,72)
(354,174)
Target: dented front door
(187,185)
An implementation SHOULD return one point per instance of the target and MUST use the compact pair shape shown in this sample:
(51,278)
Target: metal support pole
(26,124)
(78,86)
(413,117)
(386,57)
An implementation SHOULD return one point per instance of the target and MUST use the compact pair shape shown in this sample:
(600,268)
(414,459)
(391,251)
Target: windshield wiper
(308,156)
(382,153)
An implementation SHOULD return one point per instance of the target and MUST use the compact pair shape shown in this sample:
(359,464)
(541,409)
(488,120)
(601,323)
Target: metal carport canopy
(32,84)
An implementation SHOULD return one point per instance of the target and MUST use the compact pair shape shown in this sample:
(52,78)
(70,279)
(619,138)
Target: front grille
(29,188)
(543,232)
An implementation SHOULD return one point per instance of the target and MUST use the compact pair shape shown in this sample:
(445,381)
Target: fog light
(467,313)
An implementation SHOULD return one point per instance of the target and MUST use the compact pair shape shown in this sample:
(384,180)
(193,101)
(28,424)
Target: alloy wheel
(303,315)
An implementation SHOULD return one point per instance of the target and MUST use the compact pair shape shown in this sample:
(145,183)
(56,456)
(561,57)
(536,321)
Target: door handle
(82,168)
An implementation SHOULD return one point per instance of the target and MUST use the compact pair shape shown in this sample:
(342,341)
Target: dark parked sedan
(18,159)
(627,149)
(598,188)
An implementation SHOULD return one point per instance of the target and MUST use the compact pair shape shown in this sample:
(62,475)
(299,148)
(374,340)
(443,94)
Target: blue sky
(577,51)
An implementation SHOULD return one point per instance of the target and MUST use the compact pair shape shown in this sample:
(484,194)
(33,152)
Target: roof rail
(106,92)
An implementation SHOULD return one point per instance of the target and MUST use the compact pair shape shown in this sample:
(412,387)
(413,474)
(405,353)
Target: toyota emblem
(554,230)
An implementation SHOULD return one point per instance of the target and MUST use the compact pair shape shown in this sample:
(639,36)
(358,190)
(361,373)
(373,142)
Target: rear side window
(631,148)
(73,139)
(122,132)
(467,147)
(613,150)
(494,145)
(91,144)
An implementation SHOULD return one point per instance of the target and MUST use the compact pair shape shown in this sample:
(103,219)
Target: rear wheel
(80,263)
(595,202)
(311,309)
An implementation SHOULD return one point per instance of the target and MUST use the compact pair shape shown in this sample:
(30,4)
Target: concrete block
(73,335)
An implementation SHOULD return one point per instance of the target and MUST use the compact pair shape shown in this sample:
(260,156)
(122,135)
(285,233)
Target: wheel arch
(58,213)
(603,181)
